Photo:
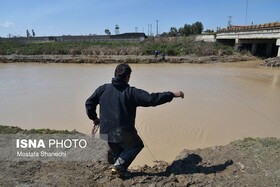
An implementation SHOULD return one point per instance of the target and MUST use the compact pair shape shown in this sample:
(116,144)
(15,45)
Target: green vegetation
(179,46)
(16,130)
(173,46)
(176,42)
(62,48)
(186,30)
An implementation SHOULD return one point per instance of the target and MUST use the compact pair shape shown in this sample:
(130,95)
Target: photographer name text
(34,154)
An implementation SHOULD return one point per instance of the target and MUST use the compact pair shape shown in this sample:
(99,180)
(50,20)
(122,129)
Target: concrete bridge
(261,39)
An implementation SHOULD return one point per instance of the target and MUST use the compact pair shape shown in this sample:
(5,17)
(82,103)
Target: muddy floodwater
(223,102)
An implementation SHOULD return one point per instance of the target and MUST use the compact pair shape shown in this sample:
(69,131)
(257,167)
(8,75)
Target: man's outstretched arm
(146,99)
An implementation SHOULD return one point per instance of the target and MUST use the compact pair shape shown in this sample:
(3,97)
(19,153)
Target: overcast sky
(83,17)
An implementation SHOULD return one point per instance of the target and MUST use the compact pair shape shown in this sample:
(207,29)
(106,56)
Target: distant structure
(261,40)
(150,30)
(229,21)
(133,37)
(157,27)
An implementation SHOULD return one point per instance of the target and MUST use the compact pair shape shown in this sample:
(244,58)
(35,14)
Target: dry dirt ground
(248,162)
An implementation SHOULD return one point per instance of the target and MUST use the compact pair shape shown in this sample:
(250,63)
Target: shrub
(169,45)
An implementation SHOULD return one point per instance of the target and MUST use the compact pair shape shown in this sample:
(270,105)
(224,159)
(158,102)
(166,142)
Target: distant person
(163,56)
(156,53)
(118,102)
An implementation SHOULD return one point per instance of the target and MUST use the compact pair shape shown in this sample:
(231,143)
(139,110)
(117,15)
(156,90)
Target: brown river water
(223,102)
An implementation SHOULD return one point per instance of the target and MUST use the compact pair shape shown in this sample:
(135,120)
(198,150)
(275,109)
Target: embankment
(247,162)
(271,62)
(106,59)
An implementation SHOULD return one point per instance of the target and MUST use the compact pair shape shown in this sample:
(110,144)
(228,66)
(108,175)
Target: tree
(186,30)
(107,31)
(197,28)
(27,33)
(117,29)
(33,33)
(173,31)
(209,31)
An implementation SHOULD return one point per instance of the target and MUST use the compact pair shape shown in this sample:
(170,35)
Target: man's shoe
(114,171)
(121,173)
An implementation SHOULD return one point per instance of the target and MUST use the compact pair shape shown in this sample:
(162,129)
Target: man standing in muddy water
(118,102)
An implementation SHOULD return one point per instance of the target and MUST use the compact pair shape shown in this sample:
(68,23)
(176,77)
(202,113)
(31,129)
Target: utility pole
(157,27)
(150,30)
(229,21)
(246,12)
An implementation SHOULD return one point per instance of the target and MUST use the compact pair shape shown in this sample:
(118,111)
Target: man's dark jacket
(118,102)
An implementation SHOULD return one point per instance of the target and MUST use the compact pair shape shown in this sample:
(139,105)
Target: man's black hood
(119,83)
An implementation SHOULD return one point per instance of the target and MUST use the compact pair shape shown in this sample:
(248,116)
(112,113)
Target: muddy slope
(105,59)
(250,162)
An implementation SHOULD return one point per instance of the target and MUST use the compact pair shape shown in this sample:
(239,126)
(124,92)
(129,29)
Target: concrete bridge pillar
(254,48)
(268,49)
(238,44)
(278,44)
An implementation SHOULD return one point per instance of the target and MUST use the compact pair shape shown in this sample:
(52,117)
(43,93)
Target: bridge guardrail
(266,26)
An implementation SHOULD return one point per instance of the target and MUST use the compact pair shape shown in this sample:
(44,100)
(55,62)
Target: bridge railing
(266,26)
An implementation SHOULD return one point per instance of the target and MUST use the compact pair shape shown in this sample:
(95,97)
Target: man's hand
(95,127)
(179,94)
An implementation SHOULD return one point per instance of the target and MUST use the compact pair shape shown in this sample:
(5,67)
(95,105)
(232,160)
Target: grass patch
(62,48)
(255,143)
(178,46)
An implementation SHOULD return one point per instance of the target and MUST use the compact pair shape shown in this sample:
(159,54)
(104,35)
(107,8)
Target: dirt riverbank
(248,162)
(106,59)
(271,62)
